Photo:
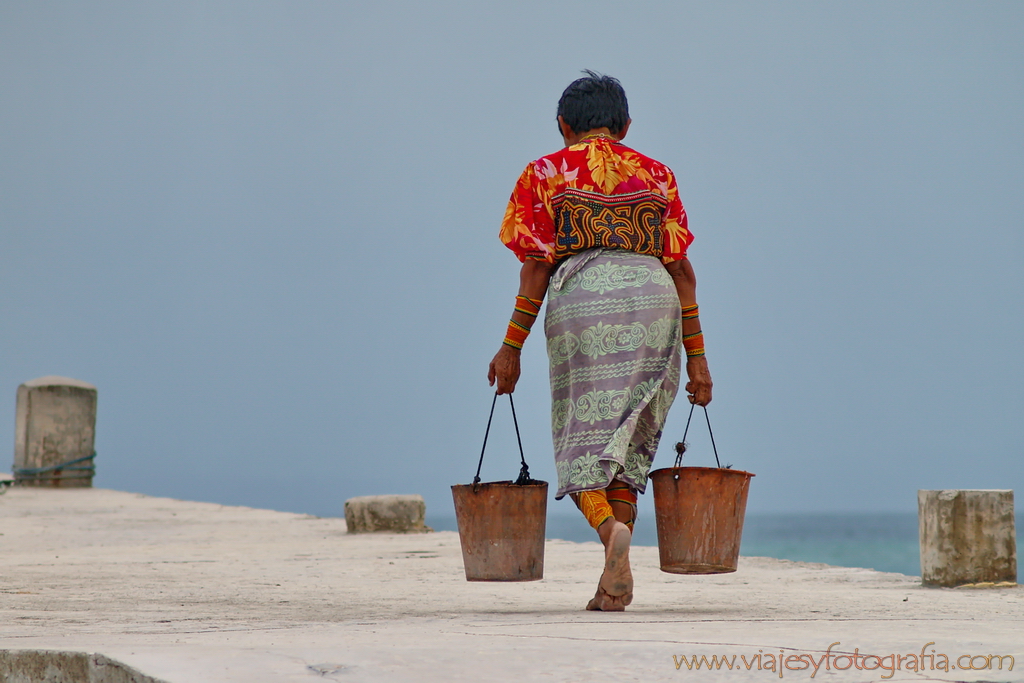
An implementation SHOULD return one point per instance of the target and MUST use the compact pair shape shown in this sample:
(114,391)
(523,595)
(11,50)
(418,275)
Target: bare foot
(617,579)
(607,603)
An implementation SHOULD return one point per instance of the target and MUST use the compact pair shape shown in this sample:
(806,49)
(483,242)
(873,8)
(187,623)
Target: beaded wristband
(690,312)
(516,334)
(694,344)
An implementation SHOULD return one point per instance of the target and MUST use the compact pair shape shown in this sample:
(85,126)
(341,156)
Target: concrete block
(55,425)
(395,513)
(967,537)
(46,666)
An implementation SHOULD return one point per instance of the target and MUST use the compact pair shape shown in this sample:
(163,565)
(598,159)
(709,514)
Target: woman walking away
(601,227)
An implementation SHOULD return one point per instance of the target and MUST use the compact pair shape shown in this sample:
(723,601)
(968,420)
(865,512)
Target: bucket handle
(524,471)
(681,446)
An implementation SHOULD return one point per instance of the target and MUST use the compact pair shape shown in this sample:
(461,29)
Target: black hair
(594,101)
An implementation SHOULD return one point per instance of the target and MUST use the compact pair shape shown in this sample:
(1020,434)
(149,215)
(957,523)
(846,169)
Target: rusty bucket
(699,512)
(501,527)
(501,523)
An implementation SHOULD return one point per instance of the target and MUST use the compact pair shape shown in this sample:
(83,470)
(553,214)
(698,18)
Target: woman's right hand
(504,369)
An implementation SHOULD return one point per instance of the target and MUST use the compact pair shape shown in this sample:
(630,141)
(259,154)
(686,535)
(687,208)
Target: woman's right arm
(533,283)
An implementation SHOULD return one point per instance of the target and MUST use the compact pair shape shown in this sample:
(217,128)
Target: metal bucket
(699,512)
(501,527)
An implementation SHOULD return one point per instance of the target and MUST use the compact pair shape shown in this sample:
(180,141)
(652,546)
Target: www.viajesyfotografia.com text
(806,663)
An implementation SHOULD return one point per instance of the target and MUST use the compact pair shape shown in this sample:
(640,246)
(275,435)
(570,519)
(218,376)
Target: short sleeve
(528,228)
(675,229)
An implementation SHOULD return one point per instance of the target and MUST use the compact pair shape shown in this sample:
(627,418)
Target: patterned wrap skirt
(613,332)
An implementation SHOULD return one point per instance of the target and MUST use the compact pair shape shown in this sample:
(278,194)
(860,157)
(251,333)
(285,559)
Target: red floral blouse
(598,193)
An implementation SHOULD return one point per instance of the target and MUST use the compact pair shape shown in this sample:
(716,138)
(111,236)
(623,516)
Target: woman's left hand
(699,386)
(504,369)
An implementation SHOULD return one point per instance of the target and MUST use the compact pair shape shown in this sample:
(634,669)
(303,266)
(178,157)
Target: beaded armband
(693,343)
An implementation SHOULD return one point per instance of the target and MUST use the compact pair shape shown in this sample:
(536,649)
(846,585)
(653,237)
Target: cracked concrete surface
(194,592)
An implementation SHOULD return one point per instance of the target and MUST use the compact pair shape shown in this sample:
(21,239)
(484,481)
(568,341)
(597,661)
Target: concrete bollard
(967,537)
(403,514)
(54,433)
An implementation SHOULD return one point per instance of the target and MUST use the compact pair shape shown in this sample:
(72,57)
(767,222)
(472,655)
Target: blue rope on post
(22,473)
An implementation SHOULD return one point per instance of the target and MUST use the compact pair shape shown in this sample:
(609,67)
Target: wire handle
(681,446)
(524,471)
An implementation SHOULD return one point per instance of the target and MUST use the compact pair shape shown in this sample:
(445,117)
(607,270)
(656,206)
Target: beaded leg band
(622,493)
(594,506)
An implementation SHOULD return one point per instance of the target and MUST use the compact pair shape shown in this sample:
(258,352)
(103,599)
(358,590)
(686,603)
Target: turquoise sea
(884,541)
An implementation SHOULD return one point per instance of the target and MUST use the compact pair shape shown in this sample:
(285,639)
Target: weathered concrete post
(967,537)
(395,513)
(54,433)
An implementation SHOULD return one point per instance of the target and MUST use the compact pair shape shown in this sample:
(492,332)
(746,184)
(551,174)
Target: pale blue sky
(268,233)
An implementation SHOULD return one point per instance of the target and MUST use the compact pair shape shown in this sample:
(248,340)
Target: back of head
(594,101)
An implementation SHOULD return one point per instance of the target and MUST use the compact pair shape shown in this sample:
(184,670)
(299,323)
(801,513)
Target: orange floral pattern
(598,193)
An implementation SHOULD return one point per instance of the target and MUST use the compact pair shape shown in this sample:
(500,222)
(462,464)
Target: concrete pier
(189,592)
(967,537)
(55,425)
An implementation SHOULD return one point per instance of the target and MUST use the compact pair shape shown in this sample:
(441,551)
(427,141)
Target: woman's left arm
(533,284)
(699,384)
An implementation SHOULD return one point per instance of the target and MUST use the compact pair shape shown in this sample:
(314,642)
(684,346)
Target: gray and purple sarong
(613,332)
